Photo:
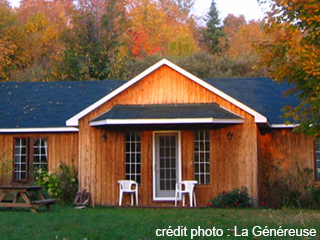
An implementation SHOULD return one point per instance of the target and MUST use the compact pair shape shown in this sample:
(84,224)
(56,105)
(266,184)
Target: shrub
(62,185)
(68,183)
(237,198)
(286,189)
(315,196)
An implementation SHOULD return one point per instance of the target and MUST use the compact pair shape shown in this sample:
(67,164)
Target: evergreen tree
(214,31)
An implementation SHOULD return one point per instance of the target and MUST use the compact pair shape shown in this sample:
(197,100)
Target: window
(202,156)
(30,154)
(317,160)
(133,156)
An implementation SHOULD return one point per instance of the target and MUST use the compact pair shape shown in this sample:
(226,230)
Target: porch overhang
(210,113)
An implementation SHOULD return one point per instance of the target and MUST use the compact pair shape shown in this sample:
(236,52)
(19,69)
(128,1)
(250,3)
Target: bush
(62,185)
(237,198)
(315,196)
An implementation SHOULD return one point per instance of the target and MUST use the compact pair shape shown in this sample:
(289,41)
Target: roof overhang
(38,130)
(74,121)
(167,114)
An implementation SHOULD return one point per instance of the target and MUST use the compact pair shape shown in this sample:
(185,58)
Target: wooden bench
(45,202)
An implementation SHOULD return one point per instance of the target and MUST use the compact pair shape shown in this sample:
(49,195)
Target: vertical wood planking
(282,149)
(62,148)
(166,86)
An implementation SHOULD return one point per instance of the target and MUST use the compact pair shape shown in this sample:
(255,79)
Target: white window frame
(18,162)
(205,163)
(132,155)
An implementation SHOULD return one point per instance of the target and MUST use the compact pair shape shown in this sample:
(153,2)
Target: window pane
(23,149)
(207,179)
(138,178)
(138,158)
(127,158)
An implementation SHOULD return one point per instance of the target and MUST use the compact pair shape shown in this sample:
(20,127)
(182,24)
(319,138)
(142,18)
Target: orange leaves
(7,49)
(36,23)
(292,55)
(157,27)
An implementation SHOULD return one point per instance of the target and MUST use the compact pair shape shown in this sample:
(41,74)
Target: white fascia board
(74,121)
(284,125)
(164,121)
(37,130)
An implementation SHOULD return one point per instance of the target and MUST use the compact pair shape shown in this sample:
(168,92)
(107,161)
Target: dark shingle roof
(261,94)
(167,111)
(50,104)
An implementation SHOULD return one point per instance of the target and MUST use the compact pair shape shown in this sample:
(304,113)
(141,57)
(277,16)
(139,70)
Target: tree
(160,27)
(12,41)
(231,26)
(43,22)
(214,31)
(292,55)
(92,41)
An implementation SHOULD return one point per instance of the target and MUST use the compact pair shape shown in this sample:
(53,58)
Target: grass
(66,223)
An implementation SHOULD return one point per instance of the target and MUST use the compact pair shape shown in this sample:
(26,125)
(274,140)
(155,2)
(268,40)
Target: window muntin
(202,156)
(30,154)
(133,156)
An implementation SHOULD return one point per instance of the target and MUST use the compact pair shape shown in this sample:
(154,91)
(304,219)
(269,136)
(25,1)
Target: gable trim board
(74,121)
(39,130)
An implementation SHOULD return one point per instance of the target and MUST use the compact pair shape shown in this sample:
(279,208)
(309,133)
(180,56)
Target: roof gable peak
(74,121)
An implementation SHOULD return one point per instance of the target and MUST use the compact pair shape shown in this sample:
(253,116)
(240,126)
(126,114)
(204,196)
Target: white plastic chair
(126,186)
(186,187)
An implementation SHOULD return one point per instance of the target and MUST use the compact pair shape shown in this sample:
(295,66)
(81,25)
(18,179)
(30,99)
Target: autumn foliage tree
(92,39)
(292,55)
(61,40)
(11,42)
(160,27)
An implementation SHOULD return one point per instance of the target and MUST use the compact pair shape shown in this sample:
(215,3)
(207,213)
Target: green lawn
(142,223)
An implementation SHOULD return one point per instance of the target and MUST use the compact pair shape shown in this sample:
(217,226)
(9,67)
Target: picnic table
(21,192)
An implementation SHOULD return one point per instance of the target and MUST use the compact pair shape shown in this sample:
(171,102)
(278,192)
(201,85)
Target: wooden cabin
(161,127)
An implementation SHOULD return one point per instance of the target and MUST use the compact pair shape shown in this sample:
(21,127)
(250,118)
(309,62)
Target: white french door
(166,164)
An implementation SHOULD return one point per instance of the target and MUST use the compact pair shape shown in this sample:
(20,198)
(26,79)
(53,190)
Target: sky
(249,8)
